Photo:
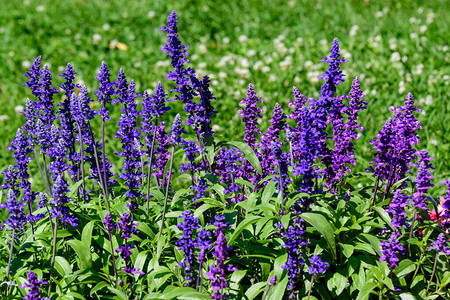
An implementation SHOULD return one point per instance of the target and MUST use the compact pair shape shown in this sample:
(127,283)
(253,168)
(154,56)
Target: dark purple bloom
(423,180)
(10,180)
(308,146)
(31,113)
(278,123)
(17,218)
(161,153)
(187,242)
(205,109)
(154,106)
(273,280)
(59,202)
(35,286)
(109,223)
(383,145)
(190,150)
(42,200)
(317,266)
(282,161)
(58,153)
(446,203)
(204,243)
(440,244)
(391,249)
(250,113)
(46,97)
(121,89)
(217,273)
(397,209)
(34,74)
(297,105)
(294,241)
(199,190)
(105,90)
(129,136)
(127,228)
(177,130)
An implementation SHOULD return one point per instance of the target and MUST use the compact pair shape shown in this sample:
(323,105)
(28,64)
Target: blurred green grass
(394,47)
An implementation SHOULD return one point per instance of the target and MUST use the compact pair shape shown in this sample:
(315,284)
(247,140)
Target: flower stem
(40,171)
(375,194)
(150,167)
(311,285)
(434,270)
(167,193)
(55,236)
(13,236)
(46,171)
(82,165)
(411,231)
(104,159)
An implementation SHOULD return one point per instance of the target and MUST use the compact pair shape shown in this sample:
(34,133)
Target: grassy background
(237,43)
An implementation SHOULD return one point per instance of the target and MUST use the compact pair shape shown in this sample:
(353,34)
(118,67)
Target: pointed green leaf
(319,222)
(249,155)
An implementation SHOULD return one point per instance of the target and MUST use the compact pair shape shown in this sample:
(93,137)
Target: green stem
(434,270)
(55,236)
(40,172)
(13,236)
(167,193)
(311,285)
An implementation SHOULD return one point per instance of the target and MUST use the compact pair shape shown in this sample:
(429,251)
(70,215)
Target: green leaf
(98,287)
(337,283)
(246,222)
(347,249)
(255,290)
(83,253)
(277,292)
(405,267)
(366,290)
(373,240)
(177,195)
(384,215)
(86,235)
(321,224)
(268,191)
(62,266)
(249,155)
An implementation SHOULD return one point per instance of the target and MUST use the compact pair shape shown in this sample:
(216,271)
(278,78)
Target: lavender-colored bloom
(440,244)
(273,280)
(155,106)
(294,241)
(383,145)
(177,130)
(390,250)
(31,113)
(199,190)
(109,223)
(227,169)
(46,97)
(187,243)
(296,104)
(43,136)
(282,159)
(21,147)
(68,86)
(42,200)
(446,203)
(105,90)
(59,202)
(162,154)
(217,274)
(205,109)
(58,153)
(190,150)
(127,228)
(121,89)
(278,123)
(423,180)
(35,286)
(317,266)
(250,114)
(204,243)
(308,147)
(17,218)
(34,74)
(128,135)
(10,180)
(397,209)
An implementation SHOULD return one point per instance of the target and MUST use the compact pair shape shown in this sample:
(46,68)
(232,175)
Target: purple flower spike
(105,90)
(128,228)
(177,130)
(333,75)
(35,286)
(60,201)
(446,203)
(10,180)
(250,114)
(397,209)
(317,265)
(187,243)
(46,97)
(17,218)
(390,250)
(217,274)
(109,223)
(423,180)
(34,74)
(161,153)
(440,244)
(204,243)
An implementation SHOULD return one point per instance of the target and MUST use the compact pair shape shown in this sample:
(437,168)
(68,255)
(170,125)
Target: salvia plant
(174,212)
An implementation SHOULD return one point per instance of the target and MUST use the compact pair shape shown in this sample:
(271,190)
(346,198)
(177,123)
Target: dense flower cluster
(317,266)
(35,285)
(127,228)
(391,249)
